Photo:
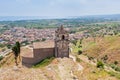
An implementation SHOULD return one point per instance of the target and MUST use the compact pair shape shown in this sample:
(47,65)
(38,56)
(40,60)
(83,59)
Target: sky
(58,8)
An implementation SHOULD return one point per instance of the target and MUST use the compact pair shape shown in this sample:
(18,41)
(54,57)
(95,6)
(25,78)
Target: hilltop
(57,69)
(77,67)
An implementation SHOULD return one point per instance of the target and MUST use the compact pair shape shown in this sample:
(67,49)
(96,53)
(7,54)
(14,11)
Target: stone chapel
(59,47)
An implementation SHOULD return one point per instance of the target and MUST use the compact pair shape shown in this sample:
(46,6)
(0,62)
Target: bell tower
(61,42)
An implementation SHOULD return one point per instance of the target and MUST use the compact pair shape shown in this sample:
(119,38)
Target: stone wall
(43,53)
(28,62)
(39,55)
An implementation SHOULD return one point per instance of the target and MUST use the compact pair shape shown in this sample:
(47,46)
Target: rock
(15,68)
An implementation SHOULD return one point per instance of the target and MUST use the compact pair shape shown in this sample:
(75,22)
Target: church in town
(58,48)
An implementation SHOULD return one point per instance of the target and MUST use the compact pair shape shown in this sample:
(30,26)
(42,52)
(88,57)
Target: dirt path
(80,67)
(63,69)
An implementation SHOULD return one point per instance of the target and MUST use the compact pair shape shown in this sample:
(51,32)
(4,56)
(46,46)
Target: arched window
(63,37)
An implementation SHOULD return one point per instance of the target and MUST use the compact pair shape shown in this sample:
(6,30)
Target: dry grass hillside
(107,47)
(7,61)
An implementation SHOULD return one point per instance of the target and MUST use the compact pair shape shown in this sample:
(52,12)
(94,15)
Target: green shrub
(79,52)
(100,64)
(105,57)
(43,39)
(114,74)
(1,57)
(90,58)
(116,62)
(9,46)
(78,59)
(2,45)
(115,67)
(80,46)
(81,41)
(74,42)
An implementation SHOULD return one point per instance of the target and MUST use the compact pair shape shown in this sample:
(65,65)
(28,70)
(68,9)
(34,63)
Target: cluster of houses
(23,34)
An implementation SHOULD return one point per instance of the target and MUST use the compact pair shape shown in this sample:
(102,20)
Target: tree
(15,51)
(18,47)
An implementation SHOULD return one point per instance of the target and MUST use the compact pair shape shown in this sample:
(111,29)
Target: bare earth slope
(59,69)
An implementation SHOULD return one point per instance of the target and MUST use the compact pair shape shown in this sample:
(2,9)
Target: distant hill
(14,18)
(48,22)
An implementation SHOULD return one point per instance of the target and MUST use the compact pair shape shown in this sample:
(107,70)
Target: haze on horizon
(58,8)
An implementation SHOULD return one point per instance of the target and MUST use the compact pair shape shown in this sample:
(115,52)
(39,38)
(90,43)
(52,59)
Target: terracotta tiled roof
(45,44)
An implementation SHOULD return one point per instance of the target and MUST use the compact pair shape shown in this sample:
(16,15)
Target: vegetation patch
(114,74)
(100,64)
(78,59)
(77,46)
(99,73)
(43,63)
(1,57)
(115,67)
